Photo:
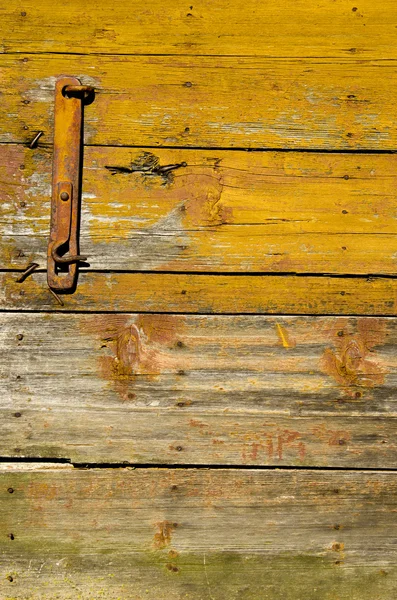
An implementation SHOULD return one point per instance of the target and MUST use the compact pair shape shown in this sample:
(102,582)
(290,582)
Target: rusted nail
(20,336)
(57,298)
(168,168)
(11,536)
(10,490)
(36,138)
(32,267)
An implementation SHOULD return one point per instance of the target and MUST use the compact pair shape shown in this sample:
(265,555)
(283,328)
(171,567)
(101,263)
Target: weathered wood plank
(209,101)
(171,534)
(199,390)
(223,211)
(289,28)
(206,294)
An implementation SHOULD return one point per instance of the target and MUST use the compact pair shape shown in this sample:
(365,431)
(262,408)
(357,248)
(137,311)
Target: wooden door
(211,414)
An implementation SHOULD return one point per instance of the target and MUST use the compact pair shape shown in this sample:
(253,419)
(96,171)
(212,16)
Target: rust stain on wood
(135,346)
(162,538)
(352,360)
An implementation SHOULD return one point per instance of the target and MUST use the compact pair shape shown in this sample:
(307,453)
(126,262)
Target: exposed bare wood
(199,390)
(231,102)
(221,535)
(193,210)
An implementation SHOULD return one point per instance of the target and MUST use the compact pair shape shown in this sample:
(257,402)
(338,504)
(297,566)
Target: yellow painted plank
(226,102)
(154,292)
(221,212)
(209,390)
(289,28)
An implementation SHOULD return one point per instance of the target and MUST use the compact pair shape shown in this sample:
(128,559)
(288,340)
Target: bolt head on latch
(64,196)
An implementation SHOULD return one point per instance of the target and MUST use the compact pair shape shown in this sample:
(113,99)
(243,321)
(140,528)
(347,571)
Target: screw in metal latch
(64,196)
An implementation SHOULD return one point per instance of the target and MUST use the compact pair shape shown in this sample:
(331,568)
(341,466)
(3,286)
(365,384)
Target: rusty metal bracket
(63,253)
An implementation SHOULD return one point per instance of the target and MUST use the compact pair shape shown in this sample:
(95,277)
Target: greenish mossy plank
(199,534)
(166,389)
(232,102)
(212,211)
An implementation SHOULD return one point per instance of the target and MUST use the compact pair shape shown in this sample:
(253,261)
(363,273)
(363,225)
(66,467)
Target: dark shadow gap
(245,274)
(348,58)
(371,151)
(131,465)
(187,313)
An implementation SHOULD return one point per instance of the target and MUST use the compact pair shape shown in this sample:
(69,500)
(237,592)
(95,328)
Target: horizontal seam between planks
(370,151)
(286,274)
(341,59)
(214,313)
(130,465)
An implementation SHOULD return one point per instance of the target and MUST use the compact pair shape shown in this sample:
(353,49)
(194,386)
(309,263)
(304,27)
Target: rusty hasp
(63,253)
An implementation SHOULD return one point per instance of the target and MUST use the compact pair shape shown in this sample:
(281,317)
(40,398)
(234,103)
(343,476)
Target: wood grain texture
(167,389)
(206,294)
(289,28)
(173,534)
(222,212)
(209,101)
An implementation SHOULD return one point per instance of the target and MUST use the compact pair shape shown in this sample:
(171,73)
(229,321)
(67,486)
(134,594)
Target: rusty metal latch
(63,253)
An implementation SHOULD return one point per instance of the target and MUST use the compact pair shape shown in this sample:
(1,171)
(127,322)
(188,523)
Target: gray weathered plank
(199,390)
(221,212)
(197,534)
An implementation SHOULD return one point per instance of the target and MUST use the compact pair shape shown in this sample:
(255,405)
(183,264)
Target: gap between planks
(61,463)
(48,145)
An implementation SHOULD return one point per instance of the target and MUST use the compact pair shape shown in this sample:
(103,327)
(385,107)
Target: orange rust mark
(42,491)
(338,546)
(197,423)
(172,568)
(274,446)
(205,208)
(352,361)
(255,449)
(270,447)
(285,438)
(162,538)
(284,336)
(333,437)
(135,346)
(301,450)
